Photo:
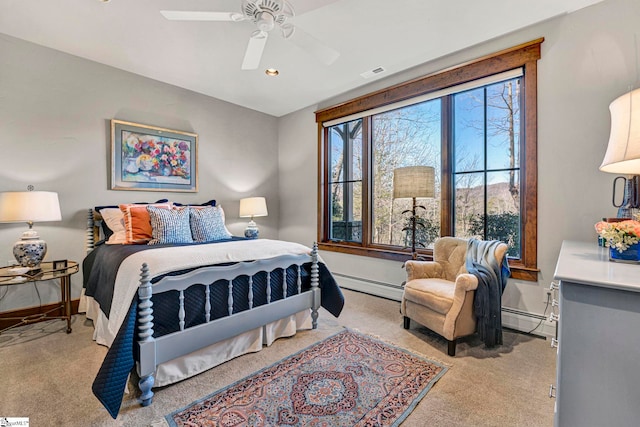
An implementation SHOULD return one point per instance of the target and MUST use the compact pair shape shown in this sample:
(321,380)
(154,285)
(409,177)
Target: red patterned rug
(348,379)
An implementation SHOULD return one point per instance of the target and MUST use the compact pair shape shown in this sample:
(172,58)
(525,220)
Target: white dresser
(598,365)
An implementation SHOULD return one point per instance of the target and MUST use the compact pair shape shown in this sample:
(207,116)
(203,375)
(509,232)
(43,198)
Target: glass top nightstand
(51,270)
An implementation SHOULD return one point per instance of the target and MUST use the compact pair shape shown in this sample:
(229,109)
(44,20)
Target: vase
(30,249)
(631,255)
(144,162)
(130,165)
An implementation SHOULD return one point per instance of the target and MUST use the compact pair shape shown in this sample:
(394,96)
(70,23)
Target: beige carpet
(46,375)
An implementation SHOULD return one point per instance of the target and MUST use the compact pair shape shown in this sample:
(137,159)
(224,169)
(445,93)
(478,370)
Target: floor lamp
(410,183)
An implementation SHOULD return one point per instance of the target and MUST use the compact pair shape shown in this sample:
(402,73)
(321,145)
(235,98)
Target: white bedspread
(165,260)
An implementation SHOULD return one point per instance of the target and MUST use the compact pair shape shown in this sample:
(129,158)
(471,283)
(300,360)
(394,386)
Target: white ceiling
(205,57)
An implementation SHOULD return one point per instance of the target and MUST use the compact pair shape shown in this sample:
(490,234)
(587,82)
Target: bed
(194,306)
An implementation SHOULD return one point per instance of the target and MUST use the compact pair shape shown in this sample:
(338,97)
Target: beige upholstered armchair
(439,294)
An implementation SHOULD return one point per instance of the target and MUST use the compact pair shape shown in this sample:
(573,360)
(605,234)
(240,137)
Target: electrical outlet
(547,295)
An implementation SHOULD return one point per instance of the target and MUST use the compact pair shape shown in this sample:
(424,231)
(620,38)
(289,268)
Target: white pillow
(224,221)
(115,221)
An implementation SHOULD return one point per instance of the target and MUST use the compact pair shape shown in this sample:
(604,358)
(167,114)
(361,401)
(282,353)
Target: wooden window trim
(524,55)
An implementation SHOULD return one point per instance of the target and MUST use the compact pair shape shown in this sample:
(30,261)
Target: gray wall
(55,134)
(588,59)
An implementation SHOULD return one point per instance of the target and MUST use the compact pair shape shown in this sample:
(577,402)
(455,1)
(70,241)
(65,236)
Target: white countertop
(588,263)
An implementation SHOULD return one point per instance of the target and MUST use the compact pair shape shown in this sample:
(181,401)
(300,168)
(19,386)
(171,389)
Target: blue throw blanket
(492,279)
(109,384)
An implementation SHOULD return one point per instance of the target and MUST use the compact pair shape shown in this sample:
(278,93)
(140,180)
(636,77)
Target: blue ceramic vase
(631,255)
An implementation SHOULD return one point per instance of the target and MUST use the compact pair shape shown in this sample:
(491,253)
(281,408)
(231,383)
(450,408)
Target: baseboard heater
(523,313)
(523,321)
(512,318)
(368,286)
(374,282)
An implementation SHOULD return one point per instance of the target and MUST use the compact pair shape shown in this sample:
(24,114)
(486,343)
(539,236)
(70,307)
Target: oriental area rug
(348,379)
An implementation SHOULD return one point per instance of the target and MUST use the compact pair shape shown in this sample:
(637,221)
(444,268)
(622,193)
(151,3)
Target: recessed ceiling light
(271,72)
(104,1)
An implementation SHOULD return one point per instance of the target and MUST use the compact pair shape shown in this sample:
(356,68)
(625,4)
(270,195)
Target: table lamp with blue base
(29,207)
(249,208)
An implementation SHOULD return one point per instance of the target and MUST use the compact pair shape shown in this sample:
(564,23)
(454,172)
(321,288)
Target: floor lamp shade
(29,207)
(252,207)
(623,150)
(413,181)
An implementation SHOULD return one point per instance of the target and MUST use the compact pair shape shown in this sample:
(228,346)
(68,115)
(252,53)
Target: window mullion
(347,192)
(486,164)
(447,189)
(367,181)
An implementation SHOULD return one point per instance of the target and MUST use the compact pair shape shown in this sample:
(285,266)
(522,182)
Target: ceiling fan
(266,15)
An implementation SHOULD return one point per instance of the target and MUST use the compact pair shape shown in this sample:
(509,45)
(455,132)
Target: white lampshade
(623,151)
(252,207)
(29,206)
(414,181)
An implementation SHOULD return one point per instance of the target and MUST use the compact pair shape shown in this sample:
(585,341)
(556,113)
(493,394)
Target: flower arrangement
(619,235)
(156,155)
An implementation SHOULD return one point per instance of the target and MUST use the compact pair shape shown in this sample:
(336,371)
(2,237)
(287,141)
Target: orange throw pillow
(137,223)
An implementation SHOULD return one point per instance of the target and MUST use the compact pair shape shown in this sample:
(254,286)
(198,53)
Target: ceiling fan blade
(180,15)
(253,54)
(314,47)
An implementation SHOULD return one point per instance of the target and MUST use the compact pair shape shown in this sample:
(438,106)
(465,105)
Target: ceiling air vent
(371,73)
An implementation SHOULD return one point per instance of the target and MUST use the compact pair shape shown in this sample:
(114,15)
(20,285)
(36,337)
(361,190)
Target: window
(345,181)
(407,136)
(486,140)
(475,124)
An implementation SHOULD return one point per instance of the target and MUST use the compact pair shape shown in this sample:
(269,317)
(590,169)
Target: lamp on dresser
(29,207)
(252,207)
(623,150)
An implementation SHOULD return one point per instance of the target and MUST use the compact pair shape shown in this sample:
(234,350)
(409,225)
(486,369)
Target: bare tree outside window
(408,136)
(487,130)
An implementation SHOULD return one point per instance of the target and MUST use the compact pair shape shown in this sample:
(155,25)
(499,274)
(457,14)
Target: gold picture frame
(149,158)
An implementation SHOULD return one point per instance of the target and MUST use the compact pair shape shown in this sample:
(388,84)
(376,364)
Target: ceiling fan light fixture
(265,21)
(254,7)
(271,72)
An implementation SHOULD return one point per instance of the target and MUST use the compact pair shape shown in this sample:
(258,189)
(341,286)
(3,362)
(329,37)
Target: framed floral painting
(150,158)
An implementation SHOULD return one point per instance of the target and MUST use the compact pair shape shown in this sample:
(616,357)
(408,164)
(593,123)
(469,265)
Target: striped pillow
(169,225)
(207,224)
